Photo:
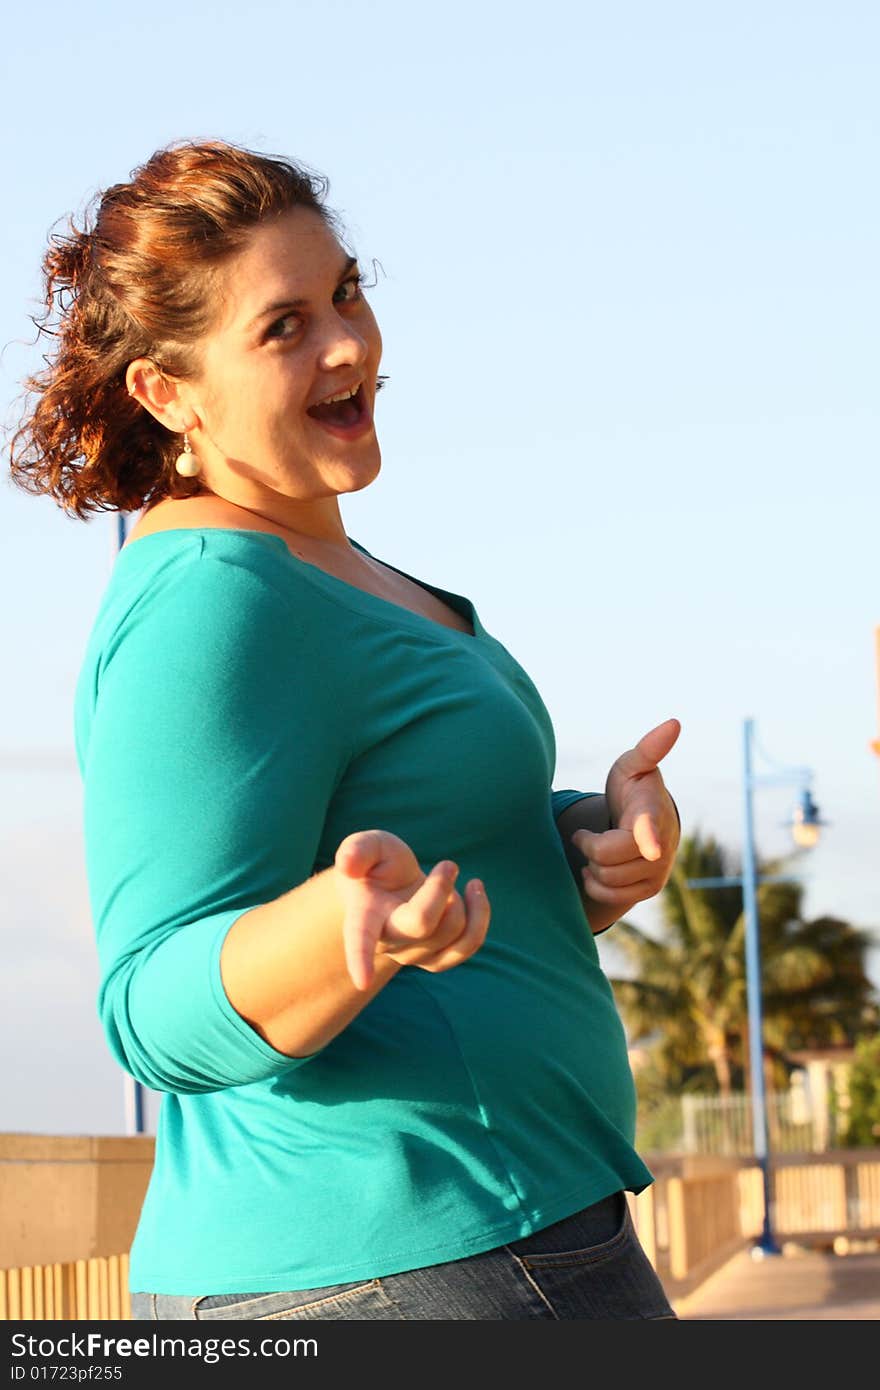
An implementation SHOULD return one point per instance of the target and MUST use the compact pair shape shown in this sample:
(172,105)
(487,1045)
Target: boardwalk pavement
(799,1284)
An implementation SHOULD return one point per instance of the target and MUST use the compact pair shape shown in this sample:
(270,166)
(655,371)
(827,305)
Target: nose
(342,345)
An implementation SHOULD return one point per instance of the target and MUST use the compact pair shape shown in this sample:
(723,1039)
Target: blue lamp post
(805,828)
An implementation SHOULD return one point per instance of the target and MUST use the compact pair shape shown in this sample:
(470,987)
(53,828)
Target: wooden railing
(698,1212)
(82,1290)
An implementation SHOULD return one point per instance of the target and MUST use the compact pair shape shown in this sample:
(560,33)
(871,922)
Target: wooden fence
(699,1211)
(81,1290)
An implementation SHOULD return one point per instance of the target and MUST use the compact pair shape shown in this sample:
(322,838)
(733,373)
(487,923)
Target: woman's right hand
(392,908)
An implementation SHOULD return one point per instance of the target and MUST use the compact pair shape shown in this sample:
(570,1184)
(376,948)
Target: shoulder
(203,609)
(227,573)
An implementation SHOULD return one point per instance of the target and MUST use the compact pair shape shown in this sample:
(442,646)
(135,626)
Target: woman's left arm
(621,846)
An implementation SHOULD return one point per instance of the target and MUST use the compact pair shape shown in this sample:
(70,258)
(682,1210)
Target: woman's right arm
(211,739)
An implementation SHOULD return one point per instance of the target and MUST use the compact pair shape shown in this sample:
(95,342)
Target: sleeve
(561,800)
(214,748)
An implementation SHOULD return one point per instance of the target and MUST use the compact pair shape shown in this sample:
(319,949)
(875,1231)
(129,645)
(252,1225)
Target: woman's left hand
(632,862)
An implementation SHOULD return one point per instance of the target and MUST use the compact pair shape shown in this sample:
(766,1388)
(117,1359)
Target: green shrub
(861,1123)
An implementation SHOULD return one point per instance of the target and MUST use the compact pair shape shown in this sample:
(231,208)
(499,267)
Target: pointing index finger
(360,934)
(650,750)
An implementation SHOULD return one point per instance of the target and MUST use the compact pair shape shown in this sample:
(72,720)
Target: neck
(321,527)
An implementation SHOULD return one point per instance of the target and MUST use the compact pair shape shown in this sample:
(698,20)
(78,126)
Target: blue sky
(629,293)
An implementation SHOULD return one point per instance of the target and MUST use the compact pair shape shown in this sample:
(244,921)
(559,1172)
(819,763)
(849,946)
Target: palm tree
(687,991)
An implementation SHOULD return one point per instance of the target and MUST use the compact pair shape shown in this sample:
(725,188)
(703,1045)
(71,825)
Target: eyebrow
(349,264)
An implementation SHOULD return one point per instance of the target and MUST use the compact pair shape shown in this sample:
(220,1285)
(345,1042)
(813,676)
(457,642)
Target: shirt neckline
(350,595)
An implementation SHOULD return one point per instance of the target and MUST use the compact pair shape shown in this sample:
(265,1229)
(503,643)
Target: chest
(393,588)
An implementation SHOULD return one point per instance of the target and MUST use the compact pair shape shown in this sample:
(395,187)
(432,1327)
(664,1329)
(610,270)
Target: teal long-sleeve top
(238,713)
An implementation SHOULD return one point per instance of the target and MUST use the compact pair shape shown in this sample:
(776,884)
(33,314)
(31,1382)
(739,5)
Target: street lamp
(805,825)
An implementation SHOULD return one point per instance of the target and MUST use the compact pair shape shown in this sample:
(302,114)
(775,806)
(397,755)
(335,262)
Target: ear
(163,396)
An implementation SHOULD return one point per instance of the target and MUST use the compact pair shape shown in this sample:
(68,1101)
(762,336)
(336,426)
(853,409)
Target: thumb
(644,833)
(650,749)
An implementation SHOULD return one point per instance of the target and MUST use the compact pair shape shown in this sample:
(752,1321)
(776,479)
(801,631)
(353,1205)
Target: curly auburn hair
(136,280)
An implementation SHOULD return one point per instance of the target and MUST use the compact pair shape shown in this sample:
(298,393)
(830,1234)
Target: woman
(292,752)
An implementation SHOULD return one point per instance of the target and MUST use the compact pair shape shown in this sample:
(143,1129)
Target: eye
(350,289)
(286,327)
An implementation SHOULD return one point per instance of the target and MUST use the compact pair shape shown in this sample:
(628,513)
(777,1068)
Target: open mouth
(346,412)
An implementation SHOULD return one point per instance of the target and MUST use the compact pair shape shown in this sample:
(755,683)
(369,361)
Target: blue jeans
(589,1265)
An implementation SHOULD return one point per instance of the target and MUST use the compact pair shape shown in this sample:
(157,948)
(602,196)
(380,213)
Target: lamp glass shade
(805,833)
(805,823)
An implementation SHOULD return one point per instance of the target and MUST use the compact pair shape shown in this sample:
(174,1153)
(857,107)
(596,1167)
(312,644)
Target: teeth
(343,396)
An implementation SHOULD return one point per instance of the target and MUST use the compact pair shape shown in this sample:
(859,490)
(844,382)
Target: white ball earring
(187,464)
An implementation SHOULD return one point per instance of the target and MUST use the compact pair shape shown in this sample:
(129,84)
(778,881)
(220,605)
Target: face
(294,331)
